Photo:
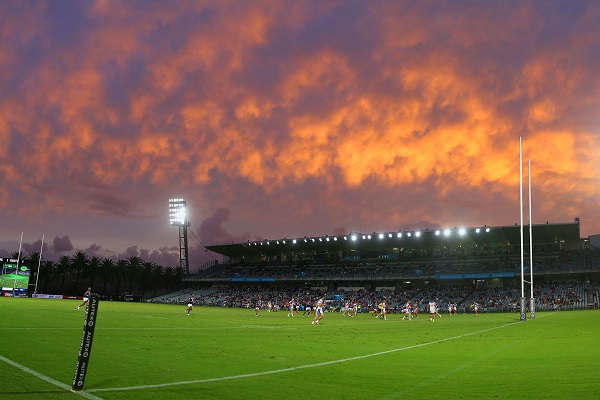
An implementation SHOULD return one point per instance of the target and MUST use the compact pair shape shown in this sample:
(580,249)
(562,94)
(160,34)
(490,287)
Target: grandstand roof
(565,233)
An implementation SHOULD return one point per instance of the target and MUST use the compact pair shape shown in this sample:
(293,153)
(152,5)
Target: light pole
(178,217)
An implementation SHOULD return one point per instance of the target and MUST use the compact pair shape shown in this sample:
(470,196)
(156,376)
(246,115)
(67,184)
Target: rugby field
(152,351)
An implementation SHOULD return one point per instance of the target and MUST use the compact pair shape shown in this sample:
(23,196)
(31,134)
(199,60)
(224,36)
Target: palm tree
(169,273)
(107,268)
(158,274)
(63,268)
(148,275)
(121,270)
(48,272)
(79,263)
(93,268)
(134,266)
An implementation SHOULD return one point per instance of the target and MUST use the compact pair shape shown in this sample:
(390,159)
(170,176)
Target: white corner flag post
(523,312)
(531,297)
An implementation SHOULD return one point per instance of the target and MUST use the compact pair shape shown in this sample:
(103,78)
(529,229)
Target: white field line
(48,379)
(343,360)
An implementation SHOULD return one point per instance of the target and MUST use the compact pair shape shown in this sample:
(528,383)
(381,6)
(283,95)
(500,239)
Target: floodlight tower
(178,217)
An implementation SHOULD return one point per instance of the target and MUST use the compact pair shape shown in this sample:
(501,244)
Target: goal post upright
(523,315)
(531,295)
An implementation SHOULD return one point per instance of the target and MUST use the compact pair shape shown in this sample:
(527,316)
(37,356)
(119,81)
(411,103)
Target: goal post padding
(85,349)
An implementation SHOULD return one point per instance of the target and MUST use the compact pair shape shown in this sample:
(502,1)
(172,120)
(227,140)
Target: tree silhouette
(48,272)
(64,276)
(120,269)
(63,268)
(107,268)
(93,267)
(158,273)
(79,263)
(134,266)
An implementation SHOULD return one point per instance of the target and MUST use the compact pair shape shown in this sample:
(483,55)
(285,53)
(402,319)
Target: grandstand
(478,264)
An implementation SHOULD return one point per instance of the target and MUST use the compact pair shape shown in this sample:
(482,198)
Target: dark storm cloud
(62,244)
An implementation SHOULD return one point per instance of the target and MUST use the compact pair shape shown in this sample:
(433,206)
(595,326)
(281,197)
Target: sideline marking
(48,379)
(343,360)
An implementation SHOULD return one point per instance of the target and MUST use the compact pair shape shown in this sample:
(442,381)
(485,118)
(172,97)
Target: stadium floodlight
(177,212)
(178,217)
(462,231)
(399,234)
(487,229)
(446,232)
(418,233)
(409,234)
(354,238)
(477,230)
(437,232)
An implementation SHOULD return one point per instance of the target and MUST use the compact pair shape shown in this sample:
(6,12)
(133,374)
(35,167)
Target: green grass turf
(207,354)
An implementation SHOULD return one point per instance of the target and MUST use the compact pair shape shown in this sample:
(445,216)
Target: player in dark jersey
(190,304)
(86,297)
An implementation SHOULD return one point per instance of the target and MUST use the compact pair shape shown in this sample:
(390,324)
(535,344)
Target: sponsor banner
(486,275)
(47,296)
(252,280)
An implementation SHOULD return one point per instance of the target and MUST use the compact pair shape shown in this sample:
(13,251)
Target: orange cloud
(283,100)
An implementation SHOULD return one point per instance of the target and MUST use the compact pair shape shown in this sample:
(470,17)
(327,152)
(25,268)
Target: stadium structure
(487,254)
(479,260)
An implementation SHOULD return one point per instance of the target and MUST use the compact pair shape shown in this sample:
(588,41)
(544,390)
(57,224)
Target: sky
(280,119)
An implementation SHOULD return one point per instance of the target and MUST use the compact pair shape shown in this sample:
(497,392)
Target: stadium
(467,265)
(247,331)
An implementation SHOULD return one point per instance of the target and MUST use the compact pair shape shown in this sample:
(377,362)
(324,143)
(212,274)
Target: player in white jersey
(292,308)
(318,311)
(476,309)
(407,311)
(383,310)
(348,310)
(432,310)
